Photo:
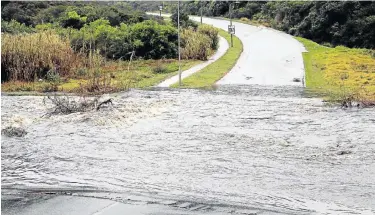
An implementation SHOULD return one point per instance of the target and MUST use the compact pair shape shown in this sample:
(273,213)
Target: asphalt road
(269,57)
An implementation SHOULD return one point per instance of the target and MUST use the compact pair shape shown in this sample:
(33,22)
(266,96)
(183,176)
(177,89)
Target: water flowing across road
(247,149)
(268,148)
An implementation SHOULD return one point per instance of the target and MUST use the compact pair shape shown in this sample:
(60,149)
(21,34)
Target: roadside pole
(201,12)
(231,27)
(231,35)
(201,17)
(179,51)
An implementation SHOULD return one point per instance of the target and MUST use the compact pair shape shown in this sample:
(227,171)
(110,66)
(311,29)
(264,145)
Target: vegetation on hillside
(93,46)
(73,14)
(348,23)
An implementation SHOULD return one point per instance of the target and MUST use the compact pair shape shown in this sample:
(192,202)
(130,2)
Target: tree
(184,20)
(73,20)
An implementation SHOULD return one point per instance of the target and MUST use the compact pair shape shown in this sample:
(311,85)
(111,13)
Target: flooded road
(268,148)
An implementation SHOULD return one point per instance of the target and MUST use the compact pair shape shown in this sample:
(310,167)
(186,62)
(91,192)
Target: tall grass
(212,33)
(195,45)
(30,56)
(199,44)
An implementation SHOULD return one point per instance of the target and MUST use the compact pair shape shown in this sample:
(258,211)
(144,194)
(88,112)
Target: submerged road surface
(236,150)
(229,151)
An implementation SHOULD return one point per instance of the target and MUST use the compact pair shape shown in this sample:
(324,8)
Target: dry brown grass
(28,57)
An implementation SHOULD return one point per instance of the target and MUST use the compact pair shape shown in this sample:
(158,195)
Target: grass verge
(208,76)
(341,73)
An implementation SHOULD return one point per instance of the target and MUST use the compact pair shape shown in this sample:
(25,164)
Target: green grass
(339,71)
(173,70)
(314,77)
(208,76)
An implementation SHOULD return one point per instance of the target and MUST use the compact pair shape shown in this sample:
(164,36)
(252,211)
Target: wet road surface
(269,149)
(269,57)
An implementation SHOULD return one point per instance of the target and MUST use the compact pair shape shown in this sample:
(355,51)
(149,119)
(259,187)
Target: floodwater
(267,148)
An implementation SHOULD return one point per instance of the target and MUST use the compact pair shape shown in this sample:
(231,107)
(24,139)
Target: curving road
(269,57)
(236,150)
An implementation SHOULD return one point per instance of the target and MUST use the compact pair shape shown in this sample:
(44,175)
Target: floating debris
(13,131)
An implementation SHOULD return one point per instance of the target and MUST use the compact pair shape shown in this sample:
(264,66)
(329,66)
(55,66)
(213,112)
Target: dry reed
(29,57)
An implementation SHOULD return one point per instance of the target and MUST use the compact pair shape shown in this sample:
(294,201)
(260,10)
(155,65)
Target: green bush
(148,39)
(212,33)
(154,41)
(81,72)
(185,22)
(159,69)
(54,80)
(32,13)
(14,27)
(53,76)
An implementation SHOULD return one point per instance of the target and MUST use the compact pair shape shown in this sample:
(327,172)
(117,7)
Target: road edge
(217,70)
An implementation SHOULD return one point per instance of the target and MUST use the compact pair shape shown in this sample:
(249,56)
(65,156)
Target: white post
(230,14)
(179,51)
(201,4)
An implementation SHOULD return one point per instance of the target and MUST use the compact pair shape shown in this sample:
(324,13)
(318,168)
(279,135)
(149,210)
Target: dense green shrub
(185,22)
(70,14)
(95,36)
(73,20)
(212,33)
(112,30)
(153,40)
(14,27)
(23,12)
(147,39)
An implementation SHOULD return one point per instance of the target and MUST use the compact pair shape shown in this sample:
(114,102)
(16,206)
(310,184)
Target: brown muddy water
(268,148)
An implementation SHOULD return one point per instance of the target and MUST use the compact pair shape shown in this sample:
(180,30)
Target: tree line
(82,33)
(348,23)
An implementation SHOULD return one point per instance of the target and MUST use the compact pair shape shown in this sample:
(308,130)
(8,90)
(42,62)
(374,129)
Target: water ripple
(259,147)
